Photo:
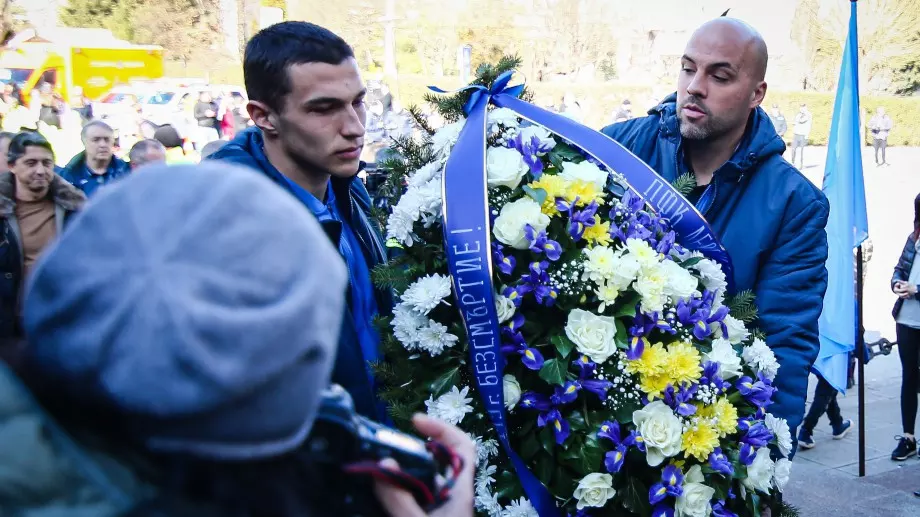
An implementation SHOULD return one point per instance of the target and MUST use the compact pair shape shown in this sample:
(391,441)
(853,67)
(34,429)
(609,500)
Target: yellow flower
(723,415)
(599,234)
(585,192)
(652,362)
(654,385)
(683,363)
(700,440)
(555,186)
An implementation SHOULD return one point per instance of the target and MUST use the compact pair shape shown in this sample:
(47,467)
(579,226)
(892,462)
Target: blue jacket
(354,204)
(772,220)
(76,174)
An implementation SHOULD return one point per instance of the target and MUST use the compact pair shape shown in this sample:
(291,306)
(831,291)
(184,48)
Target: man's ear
(759,94)
(262,116)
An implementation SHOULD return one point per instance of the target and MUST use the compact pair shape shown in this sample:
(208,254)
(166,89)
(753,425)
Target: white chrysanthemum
(520,508)
(406,323)
(504,117)
(429,198)
(487,502)
(484,477)
(450,407)
(424,175)
(643,253)
(427,292)
(434,338)
(625,270)
(404,216)
(781,471)
(445,138)
(651,286)
(600,264)
(760,472)
(680,284)
(780,428)
(712,276)
(761,358)
(485,449)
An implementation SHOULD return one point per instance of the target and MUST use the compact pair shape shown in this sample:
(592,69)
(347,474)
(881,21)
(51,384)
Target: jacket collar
(62,193)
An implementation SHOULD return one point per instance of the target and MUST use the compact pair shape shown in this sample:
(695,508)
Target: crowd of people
(175,337)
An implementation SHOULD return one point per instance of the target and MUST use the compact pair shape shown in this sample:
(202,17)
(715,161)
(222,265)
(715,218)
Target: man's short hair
(168,136)
(94,123)
(138,153)
(20,141)
(212,147)
(273,50)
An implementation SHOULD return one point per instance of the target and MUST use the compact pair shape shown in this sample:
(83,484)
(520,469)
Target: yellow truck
(93,67)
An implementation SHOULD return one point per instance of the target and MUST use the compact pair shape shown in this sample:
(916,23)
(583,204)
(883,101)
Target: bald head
(751,48)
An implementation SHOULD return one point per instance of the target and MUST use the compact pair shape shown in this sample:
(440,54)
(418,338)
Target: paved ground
(824,480)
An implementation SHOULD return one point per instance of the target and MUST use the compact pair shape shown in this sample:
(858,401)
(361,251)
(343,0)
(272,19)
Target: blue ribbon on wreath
(468,240)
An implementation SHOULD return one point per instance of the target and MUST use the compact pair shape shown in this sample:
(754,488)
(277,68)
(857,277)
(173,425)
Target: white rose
(504,307)
(760,473)
(445,138)
(593,335)
(510,223)
(780,429)
(660,429)
(680,283)
(585,171)
(781,471)
(594,490)
(728,359)
(512,391)
(695,500)
(737,332)
(505,167)
(502,116)
(761,358)
(543,135)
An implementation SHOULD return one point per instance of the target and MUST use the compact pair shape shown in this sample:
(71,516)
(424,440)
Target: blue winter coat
(76,174)
(354,204)
(772,220)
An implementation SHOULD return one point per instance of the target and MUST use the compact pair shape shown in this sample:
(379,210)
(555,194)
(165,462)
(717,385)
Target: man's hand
(905,290)
(400,503)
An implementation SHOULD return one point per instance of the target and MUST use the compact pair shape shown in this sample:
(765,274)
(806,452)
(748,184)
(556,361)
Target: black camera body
(340,439)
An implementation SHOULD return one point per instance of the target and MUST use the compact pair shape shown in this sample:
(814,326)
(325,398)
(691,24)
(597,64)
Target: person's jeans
(798,149)
(880,144)
(825,402)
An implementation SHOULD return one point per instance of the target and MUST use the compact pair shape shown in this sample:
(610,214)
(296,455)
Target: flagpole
(861,360)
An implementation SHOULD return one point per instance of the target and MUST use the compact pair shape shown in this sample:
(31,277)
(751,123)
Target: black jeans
(825,402)
(880,144)
(909,350)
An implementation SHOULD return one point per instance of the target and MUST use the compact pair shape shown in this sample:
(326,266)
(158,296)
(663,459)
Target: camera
(347,448)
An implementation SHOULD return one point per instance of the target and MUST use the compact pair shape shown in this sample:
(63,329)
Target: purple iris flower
(580,220)
(565,394)
(597,386)
(719,463)
(613,460)
(513,343)
(644,324)
(711,376)
(586,367)
(632,201)
(698,313)
(666,243)
(671,484)
(757,393)
(532,358)
(536,401)
(636,439)
(505,263)
(516,293)
(540,243)
(610,431)
(538,281)
(719,510)
(560,425)
(745,423)
(531,150)
(636,347)
(678,399)
(746,454)
(663,510)
(758,435)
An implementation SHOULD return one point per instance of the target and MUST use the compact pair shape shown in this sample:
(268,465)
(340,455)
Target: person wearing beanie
(34,204)
(306,99)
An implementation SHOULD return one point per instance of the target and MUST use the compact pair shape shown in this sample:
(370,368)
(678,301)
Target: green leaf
(577,421)
(563,482)
(538,194)
(529,447)
(563,345)
(743,306)
(508,486)
(624,414)
(690,262)
(629,307)
(635,496)
(622,337)
(547,439)
(684,184)
(553,371)
(443,383)
(753,504)
(545,468)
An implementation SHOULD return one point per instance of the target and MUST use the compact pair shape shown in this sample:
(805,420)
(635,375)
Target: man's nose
(354,123)
(697,85)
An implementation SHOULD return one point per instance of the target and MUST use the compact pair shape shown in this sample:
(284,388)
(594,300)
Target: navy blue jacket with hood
(354,204)
(772,220)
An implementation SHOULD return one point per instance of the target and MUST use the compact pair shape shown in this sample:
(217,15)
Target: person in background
(5,138)
(624,112)
(715,129)
(171,416)
(175,146)
(145,152)
(82,104)
(34,205)
(241,119)
(824,401)
(206,118)
(212,147)
(306,98)
(97,164)
(880,125)
(779,121)
(904,283)
(800,131)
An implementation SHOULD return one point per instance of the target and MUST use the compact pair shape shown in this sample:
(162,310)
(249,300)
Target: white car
(174,106)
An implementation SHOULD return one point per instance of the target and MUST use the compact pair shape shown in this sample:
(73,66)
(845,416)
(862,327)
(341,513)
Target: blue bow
(480,92)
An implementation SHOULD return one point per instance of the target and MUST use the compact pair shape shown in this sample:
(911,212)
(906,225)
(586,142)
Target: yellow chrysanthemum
(683,363)
(654,385)
(722,414)
(700,440)
(585,192)
(652,362)
(555,186)
(599,234)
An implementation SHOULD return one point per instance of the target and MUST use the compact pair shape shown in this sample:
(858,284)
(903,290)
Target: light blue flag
(847,226)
